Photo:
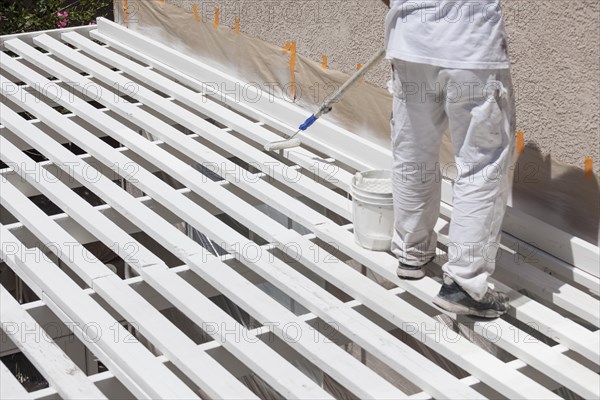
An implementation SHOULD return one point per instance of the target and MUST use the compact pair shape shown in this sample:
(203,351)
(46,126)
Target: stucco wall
(553,47)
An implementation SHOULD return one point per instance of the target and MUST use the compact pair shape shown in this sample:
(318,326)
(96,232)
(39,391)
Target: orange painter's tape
(520,142)
(588,168)
(291,47)
(237,25)
(358,68)
(196,13)
(324,62)
(126,9)
(216,17)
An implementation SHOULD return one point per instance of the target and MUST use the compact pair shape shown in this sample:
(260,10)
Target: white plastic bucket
(373,209)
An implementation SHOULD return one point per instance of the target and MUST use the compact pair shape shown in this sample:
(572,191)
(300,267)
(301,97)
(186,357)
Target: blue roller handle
(311,120)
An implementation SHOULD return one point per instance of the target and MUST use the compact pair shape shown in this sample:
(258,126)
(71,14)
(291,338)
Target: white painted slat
(556,365)
(561,244)
(547,321)
(341,354)
(301,156)
(357,152)
(555,326)
(27,36)
(234,206)
(342,181)
(133,364)
(282,375)
(290,329)
(341,367)
(549,288)
(10,387)
(514,364)
(554,266)
(105,378)
(461,352)
(58,369)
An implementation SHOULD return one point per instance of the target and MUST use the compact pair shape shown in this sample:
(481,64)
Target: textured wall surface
(553,46)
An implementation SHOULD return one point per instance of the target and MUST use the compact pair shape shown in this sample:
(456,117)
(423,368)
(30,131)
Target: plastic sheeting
(261,65)
(555,193)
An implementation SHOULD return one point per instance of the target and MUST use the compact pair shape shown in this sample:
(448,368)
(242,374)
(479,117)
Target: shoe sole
(464,310)
(410,273)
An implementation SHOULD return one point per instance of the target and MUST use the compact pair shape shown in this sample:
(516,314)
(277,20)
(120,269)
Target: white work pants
(478,108)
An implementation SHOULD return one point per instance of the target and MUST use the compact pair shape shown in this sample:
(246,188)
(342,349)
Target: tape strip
(291,48)
(196,13)
(216,17)
(126,9)
(324,62)
(520,142)
(237,25)
(358,68)
(588,168)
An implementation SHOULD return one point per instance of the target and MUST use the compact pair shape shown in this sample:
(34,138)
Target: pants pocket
(398,74)
(487,124)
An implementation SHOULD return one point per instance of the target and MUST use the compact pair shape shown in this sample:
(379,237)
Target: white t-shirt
(465,34)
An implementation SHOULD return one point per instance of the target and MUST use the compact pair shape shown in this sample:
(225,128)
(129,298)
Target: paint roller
(327,106)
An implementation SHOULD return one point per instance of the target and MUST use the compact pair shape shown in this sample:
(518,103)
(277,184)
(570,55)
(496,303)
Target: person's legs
(480,109)
(418,123)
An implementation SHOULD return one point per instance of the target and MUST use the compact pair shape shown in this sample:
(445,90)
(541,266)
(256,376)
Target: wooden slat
(189,117)
(58,369)
(426,289)
(554,266)
(106,378)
